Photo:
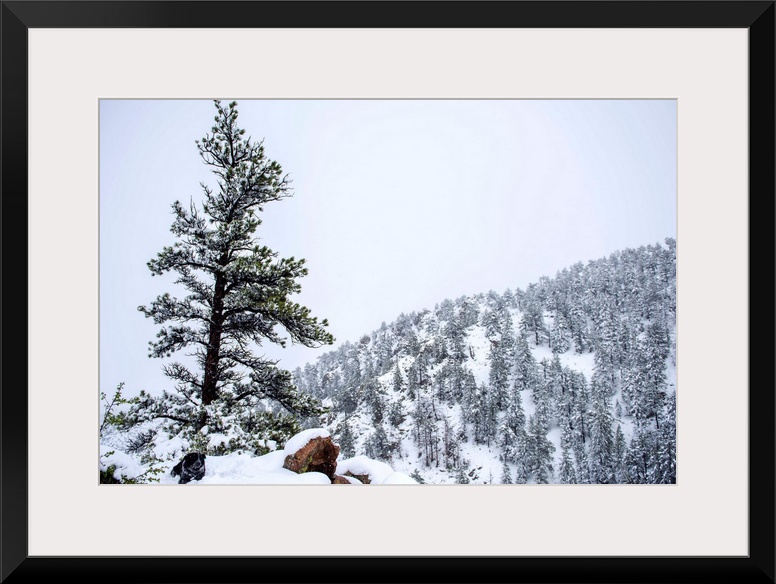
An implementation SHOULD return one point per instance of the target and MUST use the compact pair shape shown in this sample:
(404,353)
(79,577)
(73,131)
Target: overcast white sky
(398,204)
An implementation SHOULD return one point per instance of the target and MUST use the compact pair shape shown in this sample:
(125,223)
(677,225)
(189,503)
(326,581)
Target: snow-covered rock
(311,451)
(365,469)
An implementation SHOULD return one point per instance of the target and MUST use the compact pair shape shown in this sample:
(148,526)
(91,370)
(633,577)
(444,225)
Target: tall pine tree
(239,293)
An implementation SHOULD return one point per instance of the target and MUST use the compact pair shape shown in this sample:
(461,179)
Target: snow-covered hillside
(571,380)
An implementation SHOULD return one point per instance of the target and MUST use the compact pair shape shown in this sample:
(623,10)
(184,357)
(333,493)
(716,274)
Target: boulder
(319,454)
(339,480)
(364,478)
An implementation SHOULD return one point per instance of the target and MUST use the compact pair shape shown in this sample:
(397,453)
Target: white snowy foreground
(246,468)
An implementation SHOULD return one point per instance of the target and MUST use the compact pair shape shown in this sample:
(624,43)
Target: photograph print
(387,292)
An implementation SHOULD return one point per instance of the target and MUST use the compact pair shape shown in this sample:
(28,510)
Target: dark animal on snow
(190,468)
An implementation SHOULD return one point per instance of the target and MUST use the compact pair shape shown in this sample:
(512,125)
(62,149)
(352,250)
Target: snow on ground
(398,478)
(248,469)
(361,465)
(125,464)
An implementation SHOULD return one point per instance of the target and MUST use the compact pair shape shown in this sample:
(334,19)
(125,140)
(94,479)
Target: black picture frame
(19,16)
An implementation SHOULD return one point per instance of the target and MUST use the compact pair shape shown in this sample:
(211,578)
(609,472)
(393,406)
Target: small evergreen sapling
(113,419)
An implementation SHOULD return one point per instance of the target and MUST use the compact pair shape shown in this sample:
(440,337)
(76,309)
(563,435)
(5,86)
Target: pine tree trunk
(209,389)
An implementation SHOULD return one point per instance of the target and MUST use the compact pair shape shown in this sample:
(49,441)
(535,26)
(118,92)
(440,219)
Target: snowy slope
(621,310)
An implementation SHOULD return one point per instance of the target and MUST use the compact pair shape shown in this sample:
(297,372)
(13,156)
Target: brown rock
(318,455)
(364,478)
(339,480)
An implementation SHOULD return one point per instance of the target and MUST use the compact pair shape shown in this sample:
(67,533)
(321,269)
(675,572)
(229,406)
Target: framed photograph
(542,129)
